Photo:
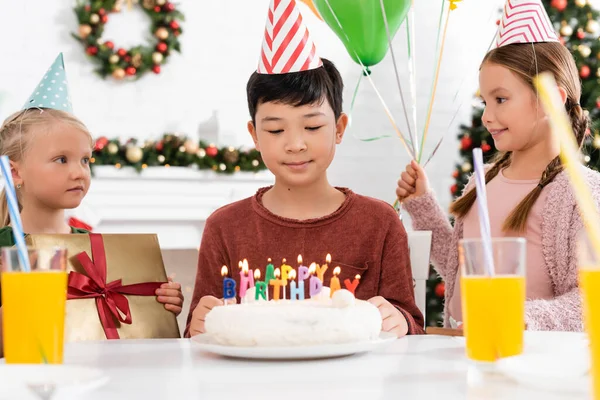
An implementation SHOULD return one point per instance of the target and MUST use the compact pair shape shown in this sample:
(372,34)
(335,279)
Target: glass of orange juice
(589,283)
(493,305)
(33,306)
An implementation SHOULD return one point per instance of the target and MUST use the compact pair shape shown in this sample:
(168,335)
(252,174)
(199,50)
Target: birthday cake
(315,321)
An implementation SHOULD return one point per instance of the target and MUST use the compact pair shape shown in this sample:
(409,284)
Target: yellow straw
(569,154)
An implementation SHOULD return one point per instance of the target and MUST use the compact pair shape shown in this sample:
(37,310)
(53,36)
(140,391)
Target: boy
(295,101)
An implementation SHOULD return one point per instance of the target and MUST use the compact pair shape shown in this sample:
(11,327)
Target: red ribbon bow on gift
(110,299)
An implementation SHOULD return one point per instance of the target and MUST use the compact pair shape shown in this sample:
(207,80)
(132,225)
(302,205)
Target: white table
(416,367)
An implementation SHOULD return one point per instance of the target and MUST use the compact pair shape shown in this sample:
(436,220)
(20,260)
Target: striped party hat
(287,45)
(53,90)
(525,21)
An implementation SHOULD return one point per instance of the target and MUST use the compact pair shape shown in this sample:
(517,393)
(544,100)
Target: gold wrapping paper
(133,258)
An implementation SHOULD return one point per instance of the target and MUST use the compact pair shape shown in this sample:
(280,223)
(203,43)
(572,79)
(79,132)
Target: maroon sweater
(364,236)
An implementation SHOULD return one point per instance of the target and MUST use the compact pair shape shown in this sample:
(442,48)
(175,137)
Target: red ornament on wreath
(466,142)
(560,5)
(485,147)
(580,34)
(584,72)
(598,103)
(455,174)
(440,289)
(159,146)
(453,189)
(101,143)
(212,151)
(163,15)
(162,47)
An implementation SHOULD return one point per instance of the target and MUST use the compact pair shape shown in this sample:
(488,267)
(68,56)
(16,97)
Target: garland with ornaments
(174,150)
(128,63)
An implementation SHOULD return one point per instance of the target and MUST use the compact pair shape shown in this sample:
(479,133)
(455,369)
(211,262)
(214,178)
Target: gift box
(112,284)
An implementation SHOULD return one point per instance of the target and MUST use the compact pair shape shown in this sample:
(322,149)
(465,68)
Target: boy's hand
(206,304)
(171,296)
(392,320)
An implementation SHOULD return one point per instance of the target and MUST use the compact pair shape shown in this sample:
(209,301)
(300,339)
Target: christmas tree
(576,23)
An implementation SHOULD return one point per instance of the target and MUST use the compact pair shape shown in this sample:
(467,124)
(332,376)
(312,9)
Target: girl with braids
(529,194)
(49,151)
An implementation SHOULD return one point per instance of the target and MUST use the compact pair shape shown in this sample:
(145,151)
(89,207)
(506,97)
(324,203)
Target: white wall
(220,49)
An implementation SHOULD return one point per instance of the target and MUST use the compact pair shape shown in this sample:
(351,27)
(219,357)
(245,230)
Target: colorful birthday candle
(351,286)
(285,270)
(296,289)
(334,284)
(228,285)
(246,279)
(270,271)
(303,273)
(277,284)
(315,284)
(261,287)
(322,268)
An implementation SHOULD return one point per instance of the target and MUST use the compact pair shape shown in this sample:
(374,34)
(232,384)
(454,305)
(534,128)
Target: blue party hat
(53,89)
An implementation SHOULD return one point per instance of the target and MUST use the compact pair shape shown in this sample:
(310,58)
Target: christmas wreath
(174,150)
(121,63)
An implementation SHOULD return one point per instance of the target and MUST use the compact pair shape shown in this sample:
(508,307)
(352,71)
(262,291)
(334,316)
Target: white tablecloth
(415,367)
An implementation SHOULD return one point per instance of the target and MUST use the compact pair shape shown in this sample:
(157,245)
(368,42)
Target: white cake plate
(206,343)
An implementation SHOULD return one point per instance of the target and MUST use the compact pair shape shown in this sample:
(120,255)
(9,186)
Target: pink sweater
(561,224)
(503,196)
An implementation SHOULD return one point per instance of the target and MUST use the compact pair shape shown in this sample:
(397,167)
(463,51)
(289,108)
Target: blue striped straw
(15,216)
(484,216)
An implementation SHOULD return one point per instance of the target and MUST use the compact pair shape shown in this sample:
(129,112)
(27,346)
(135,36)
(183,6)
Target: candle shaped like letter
(246,279)
(269,274)
(315,283)
(351,286)
(322,268)
(334,284)
(285,270)
(228,285)
(260,286)
(296,289)
(277,284)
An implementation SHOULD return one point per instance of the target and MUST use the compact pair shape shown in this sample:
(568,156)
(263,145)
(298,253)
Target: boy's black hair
(297,88)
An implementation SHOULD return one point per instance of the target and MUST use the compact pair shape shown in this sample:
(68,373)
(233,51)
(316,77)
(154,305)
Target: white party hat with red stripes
(287,44)
(525,21)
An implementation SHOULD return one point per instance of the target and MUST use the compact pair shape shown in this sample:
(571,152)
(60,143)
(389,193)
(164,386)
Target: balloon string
(367,73)
(392,54)
(435,80)
(412,68)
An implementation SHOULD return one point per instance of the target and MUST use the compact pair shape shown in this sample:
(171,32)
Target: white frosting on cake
(342,319)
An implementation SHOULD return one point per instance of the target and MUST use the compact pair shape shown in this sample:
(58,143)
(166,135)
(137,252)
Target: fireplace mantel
(172,202)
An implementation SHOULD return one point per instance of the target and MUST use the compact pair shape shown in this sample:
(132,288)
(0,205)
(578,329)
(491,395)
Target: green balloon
(362,27)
